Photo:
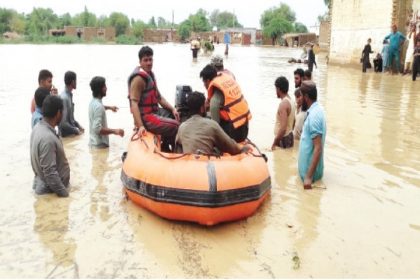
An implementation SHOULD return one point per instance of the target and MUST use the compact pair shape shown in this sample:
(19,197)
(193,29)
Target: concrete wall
(324,35)
(353,22)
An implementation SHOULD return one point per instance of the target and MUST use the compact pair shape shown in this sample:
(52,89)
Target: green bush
(65,40)
(127,40)
(36,39)
(98,40)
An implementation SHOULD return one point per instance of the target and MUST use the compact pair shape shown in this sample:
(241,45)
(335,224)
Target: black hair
(51,106)
(69,77)
(299,71)
(195,100)
(307,74)
(40,95)
(96,85)
(309,89)
(145,51)
(44,74)
(282,84)
(297,92)
(208,72)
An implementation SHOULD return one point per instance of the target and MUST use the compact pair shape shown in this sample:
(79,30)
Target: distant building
(244,36)
(299,39)
(85,33)
(160,35)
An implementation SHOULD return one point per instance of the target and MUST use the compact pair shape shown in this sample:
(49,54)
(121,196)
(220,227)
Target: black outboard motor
(181,101)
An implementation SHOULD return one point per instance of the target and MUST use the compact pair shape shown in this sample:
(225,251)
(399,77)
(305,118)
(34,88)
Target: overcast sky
(248,12)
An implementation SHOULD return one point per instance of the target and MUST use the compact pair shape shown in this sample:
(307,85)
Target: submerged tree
(197,22)
(224,19)
(300,28)
(40,20)
(120,22)
(137,28)
(277,21)
(86,19)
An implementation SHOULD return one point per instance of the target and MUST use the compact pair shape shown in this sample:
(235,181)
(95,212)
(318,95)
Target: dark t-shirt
(417,38)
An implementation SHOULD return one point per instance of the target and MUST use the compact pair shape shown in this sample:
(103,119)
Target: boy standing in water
(68,125)
(283,129)
(98,126)
(365,56)
(45,81)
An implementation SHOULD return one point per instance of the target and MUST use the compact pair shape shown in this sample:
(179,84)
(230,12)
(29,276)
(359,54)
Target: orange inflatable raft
(198,188)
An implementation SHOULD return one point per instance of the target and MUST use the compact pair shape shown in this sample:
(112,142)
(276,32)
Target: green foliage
(85,19)
(45,39)
(163,23)
(152,23)
(5,18)
(103,21)
(184,29)
(323,17)
(64,20)
(300,28)
(327,3)
(63,39)
(224,19)
(208,46)
(17,23)
(199,21)
(137,28)
(283,12)
(120,22)
(277,27)
(127,40)
(98,40)
(277,21)
(40,20)
(10,20)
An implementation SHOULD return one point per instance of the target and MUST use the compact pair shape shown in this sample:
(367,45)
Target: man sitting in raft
(145,99)
(200,135)
(228,106)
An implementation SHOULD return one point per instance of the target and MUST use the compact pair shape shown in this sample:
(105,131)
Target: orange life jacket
(149,97)
(235,108)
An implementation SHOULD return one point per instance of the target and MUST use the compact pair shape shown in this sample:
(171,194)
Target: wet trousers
(394,56)
(163,123)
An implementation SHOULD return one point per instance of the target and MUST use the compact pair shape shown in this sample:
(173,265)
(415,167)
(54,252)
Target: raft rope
(260,154)
(135,137)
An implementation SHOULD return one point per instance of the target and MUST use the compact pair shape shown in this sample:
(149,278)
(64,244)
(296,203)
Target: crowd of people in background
(391,58)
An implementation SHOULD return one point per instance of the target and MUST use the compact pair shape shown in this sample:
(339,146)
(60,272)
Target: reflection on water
(361,220)
(52,224)
(302,220)
(99,197)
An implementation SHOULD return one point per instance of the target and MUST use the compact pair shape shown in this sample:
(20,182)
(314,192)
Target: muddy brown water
(361,220)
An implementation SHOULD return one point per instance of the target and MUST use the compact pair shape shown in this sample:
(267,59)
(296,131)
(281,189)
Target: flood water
(361,220)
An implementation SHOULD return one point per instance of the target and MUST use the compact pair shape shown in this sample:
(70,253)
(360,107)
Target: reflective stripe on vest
(235,108)
(148,102)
